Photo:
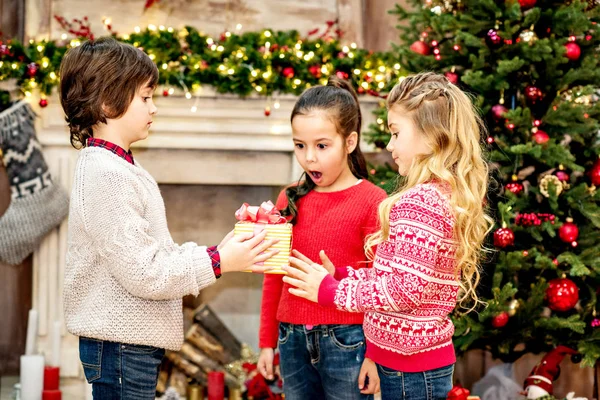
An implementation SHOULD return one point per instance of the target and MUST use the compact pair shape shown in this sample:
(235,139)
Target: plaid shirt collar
(118,150)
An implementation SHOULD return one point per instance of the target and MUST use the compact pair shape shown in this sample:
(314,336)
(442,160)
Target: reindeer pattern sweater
(411,289)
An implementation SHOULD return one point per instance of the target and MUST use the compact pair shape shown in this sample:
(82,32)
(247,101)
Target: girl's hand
(327,264)
(226,239)
(306,277)
(245,252)
(368,370)
(265,363)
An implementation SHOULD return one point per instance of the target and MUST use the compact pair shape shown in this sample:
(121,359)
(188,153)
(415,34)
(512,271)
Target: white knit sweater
(125,276)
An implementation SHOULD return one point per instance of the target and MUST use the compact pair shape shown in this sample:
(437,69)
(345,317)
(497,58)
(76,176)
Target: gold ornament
(545,181)
(513,306)
(528,36)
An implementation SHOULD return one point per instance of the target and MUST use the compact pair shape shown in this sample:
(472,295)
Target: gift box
(255,219)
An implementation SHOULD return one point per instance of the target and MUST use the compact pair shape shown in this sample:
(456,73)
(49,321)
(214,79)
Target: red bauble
(342,74)
(493,37)
(533,93)
(504,237)
(4,50)
(165,92)
(43,103)
(361,90)
(562,175)
(568,232)
(315,71)
(540,137)
(288,72)
(452,77)
(420,47)
(595,173)
(498,111)
(267,111)
(500,320)
(573,51)
(515,187)
(32,69)
(525,4)
(562,294)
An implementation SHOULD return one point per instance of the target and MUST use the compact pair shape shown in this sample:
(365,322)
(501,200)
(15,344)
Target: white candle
(56,337)
(32,377)
(32,324)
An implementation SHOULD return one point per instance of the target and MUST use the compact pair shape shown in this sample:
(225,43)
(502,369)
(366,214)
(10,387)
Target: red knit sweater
(411,289)
(336,222)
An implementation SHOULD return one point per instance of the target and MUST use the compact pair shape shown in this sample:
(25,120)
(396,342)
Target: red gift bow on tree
(267,213)
(458,393)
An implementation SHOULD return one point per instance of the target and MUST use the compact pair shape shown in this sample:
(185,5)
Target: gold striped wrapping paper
(283,232)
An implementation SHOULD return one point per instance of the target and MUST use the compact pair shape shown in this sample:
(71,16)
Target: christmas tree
(533,69)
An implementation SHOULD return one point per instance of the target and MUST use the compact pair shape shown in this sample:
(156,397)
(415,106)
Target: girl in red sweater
(333,207)
(428,245)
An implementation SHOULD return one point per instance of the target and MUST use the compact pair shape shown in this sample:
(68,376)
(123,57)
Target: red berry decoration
(504,237)
(315,71)
(562,294)
(421,48)
(525,4)
(43,103)
(288,72)
(514,187)
(568,232)
(500,320)
(573,51)
(452,77)
(533,93)
(595,173)
(540,137)
(498,112)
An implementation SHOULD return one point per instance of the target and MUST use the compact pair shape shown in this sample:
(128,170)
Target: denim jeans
(428,385)
(322,361)
(119,371)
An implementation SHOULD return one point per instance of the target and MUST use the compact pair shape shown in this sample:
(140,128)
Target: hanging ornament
(525,4)
(515,186)
(498,112)
(545,181)
(452,77)
(315,70)
(533,93)
(420,47)
(573,51)
(504,237)
(528,36)
(267,111)
(43,103)
(513,306)
(568,232)
(595,173)
(493,38)
(32,69)
(540,137)
(500,320)
(360,90)
(562,294)
(562,175)
(288,72)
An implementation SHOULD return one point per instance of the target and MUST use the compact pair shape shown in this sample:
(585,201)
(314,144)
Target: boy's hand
(265,363)
(368,373)
(243,252)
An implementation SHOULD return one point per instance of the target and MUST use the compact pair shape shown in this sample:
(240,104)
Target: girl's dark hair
(340,102)
(98,80)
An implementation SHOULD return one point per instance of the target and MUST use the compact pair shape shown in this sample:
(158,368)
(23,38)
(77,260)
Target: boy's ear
(351,142)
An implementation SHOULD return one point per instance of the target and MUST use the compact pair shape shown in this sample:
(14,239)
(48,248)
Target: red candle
(51,395)
(216,385)
(51,378)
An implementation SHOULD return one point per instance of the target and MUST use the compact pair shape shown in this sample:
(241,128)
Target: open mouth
(316,175)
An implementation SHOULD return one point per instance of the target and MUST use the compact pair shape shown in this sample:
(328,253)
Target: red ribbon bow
(267,213)
(458,393)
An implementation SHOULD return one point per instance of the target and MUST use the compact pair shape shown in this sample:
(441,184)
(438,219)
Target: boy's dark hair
(339,100)
(98,80)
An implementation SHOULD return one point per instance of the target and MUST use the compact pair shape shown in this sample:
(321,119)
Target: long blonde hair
(447,119)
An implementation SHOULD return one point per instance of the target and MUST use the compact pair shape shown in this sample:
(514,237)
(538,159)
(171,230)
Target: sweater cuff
(327,291)
(341,273)
(205,275)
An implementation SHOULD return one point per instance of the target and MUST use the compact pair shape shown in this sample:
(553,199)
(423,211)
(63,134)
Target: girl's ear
(351,142)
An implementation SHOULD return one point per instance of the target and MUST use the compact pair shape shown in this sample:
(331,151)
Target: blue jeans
(119,371)
(321,362)
(428,385)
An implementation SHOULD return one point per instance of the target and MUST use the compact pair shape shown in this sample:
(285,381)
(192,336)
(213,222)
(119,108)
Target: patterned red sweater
(336,222)
(411,289)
